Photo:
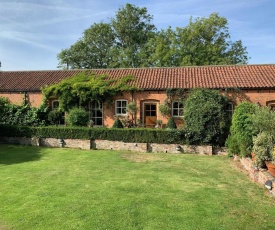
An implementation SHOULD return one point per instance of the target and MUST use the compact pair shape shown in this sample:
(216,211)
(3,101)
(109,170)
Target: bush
(23,115)
(17,131)
(78,117)
(117,124)
(171,124)
(263,124)
(62,132)
(137,135)
(140,135)
(205,117)
(241,131)
(55,117)
(164,110)
(262,147)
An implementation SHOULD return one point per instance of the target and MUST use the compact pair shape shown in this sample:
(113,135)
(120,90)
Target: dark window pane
(99,113)
(153,113)
(99,121)
(153,107)
(175,105)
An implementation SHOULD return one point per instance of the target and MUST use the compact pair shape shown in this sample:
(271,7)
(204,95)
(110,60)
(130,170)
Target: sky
(33,32)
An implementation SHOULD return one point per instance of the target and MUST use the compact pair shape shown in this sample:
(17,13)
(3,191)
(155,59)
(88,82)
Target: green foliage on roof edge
(83,87)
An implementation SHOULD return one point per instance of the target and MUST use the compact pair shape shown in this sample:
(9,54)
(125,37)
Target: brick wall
(259,176)
(17,98)
(141,98)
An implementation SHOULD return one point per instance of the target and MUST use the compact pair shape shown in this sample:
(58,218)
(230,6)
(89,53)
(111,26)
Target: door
(150,113)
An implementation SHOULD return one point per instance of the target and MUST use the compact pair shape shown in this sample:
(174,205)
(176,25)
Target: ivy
(83,87)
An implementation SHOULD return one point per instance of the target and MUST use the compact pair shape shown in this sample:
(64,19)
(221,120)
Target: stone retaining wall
(119,145)
(257,175)
(105,144)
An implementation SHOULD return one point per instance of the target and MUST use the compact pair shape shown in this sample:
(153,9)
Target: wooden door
(150,115)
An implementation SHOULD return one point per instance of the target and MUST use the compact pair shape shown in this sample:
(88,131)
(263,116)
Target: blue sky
(33,32)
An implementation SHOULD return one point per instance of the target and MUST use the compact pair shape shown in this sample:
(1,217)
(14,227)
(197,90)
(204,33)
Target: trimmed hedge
(112,134)
(139,135)
(63,132)
(16,131)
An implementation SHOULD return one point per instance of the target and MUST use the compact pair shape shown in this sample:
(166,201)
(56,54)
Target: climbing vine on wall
(82,88)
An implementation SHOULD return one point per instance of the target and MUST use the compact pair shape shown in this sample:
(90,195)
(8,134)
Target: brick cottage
(254,83)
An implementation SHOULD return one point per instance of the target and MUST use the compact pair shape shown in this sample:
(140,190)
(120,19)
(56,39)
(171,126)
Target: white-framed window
(121,107)
(96,112)
(177,109)
(55,104)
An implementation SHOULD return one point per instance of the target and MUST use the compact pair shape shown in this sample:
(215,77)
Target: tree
(205,117)
(162,49)
(206,41)
(133,29)
(131,40)
(93,50)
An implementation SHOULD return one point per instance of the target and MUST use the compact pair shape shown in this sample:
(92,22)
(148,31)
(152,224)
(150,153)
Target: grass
(44,188)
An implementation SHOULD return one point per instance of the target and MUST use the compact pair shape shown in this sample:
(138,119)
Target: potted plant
(264,124)
(271,164)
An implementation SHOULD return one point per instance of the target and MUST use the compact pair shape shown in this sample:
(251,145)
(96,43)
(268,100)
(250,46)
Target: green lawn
(44,188)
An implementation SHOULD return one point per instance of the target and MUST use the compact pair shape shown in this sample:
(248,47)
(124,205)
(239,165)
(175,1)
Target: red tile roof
(215,77)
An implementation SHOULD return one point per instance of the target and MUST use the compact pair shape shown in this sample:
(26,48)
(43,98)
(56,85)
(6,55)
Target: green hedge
(16,131)
(112,134)
(139,135)
(63,132)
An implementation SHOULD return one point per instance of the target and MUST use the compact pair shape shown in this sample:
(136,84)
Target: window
(55,104)
(96,113)
(177,109)
(271,104)
(121,106)
(230,108)
(55,108)
(151,110)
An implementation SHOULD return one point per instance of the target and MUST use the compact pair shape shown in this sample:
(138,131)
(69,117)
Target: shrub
(262,147)
(205,117)
(140,135)
(137,135)
(133,109)
(241,131)
(263,124)
(171,124)
(78,117)
(63,132)
(117,124)
(23,115)
(164,110)
(54,117)
(17,131)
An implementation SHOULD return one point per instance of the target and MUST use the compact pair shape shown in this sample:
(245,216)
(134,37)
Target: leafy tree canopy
(130,39)
(78,90)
